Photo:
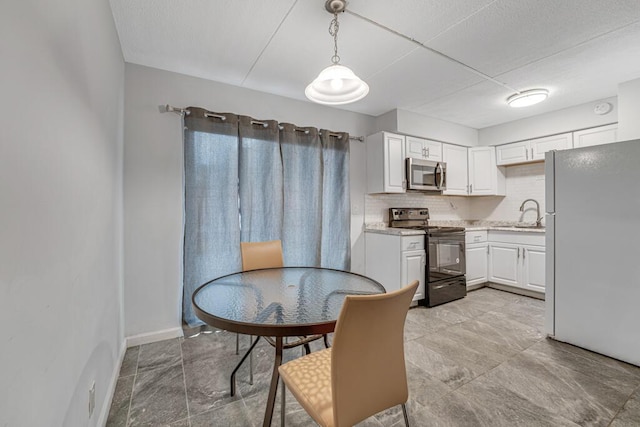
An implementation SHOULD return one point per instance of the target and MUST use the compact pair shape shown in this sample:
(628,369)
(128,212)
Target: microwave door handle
(441,175)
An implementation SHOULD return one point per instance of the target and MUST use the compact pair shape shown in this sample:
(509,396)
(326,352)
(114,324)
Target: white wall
(406,122)
(629,103)
(565,120)
(62,82)
(153,180)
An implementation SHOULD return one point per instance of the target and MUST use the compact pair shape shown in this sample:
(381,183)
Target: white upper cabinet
(531,150)
(510,154)
(539,146)
(485,179)
(455,158)
(419,148)
(595,136)
(385,163)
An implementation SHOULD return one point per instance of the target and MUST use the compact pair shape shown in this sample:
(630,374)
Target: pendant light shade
(336,85)
(527,97)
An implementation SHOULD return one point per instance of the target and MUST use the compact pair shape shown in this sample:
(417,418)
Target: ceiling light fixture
(336,84)
(527,97)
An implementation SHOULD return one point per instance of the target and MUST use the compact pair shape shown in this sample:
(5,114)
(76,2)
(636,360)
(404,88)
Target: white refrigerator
(593,248)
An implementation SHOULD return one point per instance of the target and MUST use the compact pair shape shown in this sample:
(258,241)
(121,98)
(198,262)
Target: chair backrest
(256,255)
(368,373)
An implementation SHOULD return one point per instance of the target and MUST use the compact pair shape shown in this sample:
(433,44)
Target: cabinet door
(415,148)
(394,179)
(419,148)
(539,146)
(413,268)
(457,168)
(433,150)
(477,270)
(484,176)
(533,273)
(509,154)
(596,136)
(503,263)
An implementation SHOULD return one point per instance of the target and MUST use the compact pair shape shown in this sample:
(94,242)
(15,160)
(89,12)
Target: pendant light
(527,98)
(336,84)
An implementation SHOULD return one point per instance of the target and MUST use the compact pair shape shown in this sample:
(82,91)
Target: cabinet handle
(518,253)
(470,188)
(526,152)
(404,184)
(487,249)
(531,153)
(523,254)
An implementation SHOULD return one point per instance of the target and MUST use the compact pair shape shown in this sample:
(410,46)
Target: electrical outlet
(92,398)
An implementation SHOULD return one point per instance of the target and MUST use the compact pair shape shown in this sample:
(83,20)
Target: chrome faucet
(539,218)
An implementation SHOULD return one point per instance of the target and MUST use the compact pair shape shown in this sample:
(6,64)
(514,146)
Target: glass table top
(279,301)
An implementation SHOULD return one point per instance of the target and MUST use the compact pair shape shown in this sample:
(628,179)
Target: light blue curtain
(336,205)
(211,227)
(256,180)
(261,195)
(302,216)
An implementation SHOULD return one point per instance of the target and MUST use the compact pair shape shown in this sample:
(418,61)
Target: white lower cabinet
(395,261)
(476,255)
(413,268)
(476,250)
(517,259)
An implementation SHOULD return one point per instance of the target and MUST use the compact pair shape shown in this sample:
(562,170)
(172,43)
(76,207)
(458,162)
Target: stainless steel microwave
(426,175)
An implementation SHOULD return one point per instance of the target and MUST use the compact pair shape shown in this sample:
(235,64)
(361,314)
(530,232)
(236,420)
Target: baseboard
(111,390)
(150,337)
(514,290)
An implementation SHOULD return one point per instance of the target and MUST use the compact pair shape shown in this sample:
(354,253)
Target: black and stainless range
(445,276)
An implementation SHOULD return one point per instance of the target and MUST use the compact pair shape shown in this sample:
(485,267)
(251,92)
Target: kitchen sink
(535,227)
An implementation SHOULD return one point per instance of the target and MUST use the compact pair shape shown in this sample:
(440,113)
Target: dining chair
(258,255)
(364,371)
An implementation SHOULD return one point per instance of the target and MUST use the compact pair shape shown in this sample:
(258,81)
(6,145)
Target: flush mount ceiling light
(336,84)
(527,97)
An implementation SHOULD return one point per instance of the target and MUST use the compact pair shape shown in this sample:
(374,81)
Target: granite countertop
(382,228)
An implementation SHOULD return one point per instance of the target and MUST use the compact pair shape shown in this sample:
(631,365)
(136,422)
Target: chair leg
(307,348)
(237,344)
(250,363)
(404,412)
(326,341)
(282,402)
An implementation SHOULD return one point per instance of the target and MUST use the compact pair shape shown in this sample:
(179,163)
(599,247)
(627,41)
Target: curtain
(257,180)
(260,185)
(302,216)
(211,227)
(336,205)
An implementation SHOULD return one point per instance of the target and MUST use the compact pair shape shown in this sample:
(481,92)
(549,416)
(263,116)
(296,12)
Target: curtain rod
(169,109)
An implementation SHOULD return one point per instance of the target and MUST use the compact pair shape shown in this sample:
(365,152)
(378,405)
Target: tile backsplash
(522,182)
(440,207)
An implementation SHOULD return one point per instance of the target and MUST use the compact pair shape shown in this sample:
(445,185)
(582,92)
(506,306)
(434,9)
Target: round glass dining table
(278,302)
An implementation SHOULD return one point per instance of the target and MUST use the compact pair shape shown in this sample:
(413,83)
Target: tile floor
(479,361)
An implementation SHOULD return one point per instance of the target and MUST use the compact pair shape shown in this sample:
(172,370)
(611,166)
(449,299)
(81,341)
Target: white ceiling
(578,49)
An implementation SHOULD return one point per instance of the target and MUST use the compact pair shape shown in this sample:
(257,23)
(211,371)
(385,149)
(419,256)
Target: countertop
(382,228)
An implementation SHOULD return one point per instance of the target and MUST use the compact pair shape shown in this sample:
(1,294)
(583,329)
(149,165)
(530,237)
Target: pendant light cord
(334,26)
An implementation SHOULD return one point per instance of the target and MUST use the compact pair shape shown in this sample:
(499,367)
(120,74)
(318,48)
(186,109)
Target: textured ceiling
(578,49)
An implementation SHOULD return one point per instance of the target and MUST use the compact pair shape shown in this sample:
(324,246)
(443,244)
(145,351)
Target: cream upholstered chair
(364,371)
(257,255)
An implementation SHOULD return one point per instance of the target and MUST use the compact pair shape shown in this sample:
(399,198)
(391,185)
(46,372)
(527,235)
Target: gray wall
(565,120)
(153,193)
(62,82)
(629,96)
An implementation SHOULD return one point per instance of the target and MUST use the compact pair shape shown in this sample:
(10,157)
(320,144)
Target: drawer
(475,236)
(410,243)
